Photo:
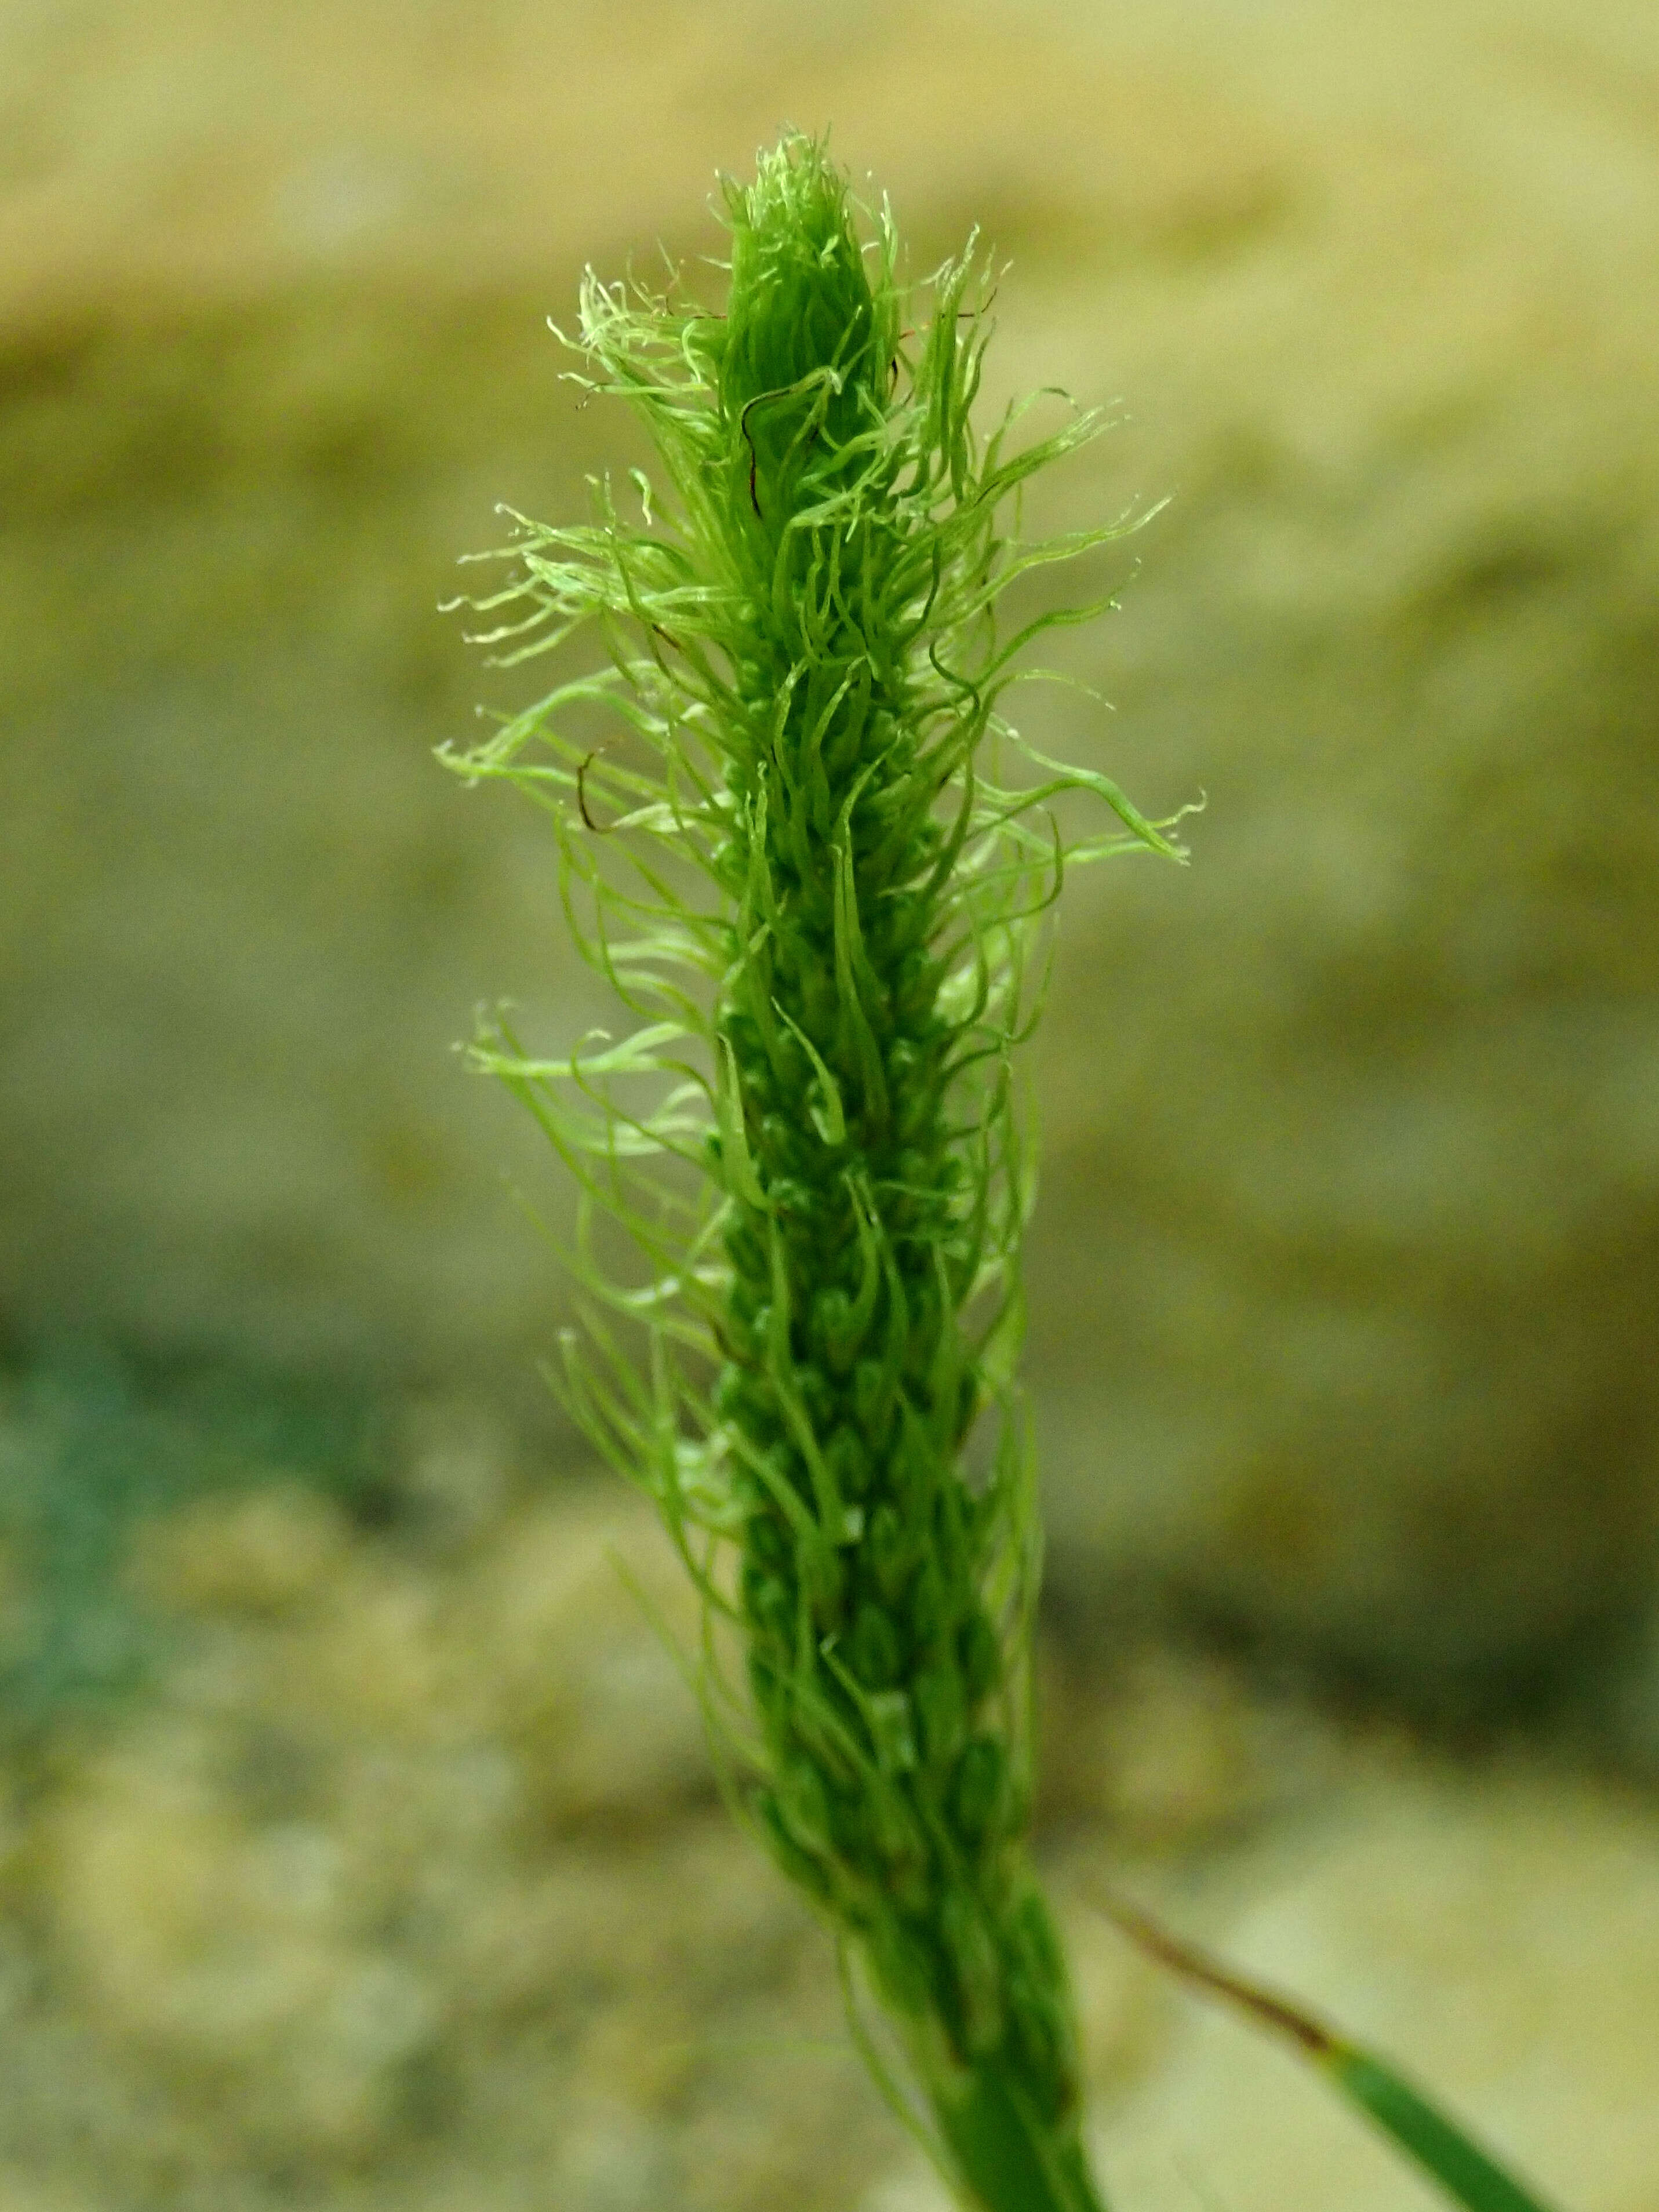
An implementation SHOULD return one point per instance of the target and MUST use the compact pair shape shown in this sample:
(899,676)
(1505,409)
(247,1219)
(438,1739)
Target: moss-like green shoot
(812,854)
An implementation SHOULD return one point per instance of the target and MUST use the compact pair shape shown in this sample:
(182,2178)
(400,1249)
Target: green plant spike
(1469,2174)
(800,838)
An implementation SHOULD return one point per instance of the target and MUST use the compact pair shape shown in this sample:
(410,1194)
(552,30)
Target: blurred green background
(1343,1281)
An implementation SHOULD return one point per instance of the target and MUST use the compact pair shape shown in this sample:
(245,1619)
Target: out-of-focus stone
(1491,1935)
(407,1869)
(1166,1751)
(224,1950)
(276,1548)
(1342,1291)
(456,1469)
(575,1624)
(343,1912)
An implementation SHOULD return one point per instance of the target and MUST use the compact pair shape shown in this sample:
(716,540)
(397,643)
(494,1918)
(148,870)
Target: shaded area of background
(1343,1282)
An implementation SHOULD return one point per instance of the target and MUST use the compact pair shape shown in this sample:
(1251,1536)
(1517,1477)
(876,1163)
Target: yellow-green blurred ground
(398,1879)
(358,1847)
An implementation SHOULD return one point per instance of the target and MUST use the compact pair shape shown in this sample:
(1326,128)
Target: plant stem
(1009,2164)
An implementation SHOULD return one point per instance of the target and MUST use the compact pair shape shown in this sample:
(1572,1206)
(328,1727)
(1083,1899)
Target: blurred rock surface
(1344,1286)
(401,1882)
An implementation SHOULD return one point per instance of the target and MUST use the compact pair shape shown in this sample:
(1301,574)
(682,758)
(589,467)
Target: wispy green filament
(806,852)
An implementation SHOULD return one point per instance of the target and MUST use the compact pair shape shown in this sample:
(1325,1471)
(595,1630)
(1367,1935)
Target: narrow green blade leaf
(1459,2165)
(1469,2174)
